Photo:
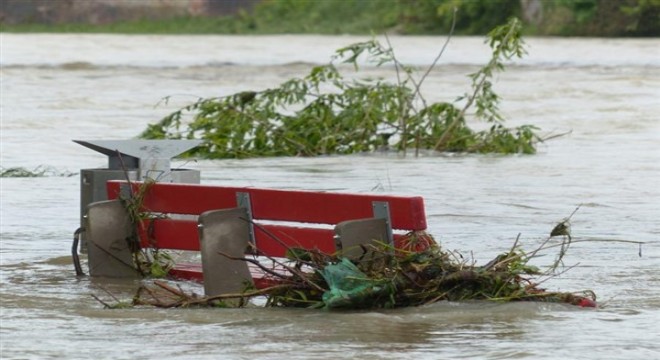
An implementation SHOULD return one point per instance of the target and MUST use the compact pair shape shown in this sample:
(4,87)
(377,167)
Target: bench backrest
(299,209)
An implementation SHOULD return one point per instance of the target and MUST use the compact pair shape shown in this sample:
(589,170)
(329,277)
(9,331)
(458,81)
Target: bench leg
(354,233)
(224,232)
(108,229)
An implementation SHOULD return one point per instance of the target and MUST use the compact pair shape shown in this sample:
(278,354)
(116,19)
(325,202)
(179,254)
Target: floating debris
(386,277)
(39,171)
(415,271)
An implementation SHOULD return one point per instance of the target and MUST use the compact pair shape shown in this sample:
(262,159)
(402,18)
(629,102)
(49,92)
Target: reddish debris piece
(586,302)
(416,241)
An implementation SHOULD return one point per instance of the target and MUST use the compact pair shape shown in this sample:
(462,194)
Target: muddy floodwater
(603,93)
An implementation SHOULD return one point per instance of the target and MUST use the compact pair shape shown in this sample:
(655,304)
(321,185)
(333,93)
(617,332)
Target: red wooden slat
(306,238)
(170,234)
(182,235)
(281,205)
(193,272)
(272,240)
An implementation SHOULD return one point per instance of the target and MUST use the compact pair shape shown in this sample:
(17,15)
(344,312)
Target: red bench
(227,219)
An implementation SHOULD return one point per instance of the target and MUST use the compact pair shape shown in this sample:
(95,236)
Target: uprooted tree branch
(328,113)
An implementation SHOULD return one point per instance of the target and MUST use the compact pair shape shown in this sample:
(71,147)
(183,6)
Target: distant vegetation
(475,17)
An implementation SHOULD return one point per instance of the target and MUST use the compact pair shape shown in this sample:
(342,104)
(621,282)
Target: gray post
(131,160)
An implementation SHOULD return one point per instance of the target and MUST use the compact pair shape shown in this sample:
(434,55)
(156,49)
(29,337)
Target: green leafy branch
(328,113)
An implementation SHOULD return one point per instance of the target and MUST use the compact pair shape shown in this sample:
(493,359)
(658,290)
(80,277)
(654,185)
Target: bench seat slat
(306,238)
(407,213)
(182,235)
(193,272)
(169,234)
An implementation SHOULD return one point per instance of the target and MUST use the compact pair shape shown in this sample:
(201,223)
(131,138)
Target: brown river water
(606,93)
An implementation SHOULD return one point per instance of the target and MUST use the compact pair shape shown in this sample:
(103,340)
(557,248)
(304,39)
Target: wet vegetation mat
(39,171)
(415,271)
(384,278)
